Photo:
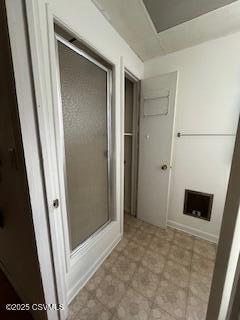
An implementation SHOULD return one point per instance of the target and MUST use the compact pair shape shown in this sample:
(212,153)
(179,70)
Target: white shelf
(128,134)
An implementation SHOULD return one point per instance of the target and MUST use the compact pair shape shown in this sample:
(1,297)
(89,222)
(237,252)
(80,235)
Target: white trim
(233,302)
(130,76)
(82,281)
(80,52)
(172,95)
(39,16)
(231,270)
(135,138)
(195,232)
(122,119)
(173,141)
(89,242)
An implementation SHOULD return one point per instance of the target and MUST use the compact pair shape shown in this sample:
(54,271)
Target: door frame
(39,13)
(227,259)
(135,137)
(234,306)
(57,106)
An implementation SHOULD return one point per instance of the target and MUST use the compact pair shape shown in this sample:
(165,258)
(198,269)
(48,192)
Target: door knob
(164,167)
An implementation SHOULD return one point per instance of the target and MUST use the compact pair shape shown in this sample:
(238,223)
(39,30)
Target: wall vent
(198,204)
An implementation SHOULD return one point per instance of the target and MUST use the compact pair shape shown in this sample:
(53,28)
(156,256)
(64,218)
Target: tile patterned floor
(152,274)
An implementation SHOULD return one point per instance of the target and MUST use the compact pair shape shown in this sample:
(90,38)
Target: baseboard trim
(195,232)
(83,280)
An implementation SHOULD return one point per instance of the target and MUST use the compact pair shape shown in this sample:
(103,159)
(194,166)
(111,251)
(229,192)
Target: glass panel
(84,108)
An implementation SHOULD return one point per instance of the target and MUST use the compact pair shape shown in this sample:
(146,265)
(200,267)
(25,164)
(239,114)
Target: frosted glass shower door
(85,108)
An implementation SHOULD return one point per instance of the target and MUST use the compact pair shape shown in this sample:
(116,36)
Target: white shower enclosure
(84,132)
(75,92)
(78,84)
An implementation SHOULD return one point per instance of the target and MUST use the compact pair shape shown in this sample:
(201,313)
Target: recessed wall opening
(131,124)
(198,204)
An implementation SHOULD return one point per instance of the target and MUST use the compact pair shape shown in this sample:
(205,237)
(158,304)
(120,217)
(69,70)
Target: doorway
(131,132)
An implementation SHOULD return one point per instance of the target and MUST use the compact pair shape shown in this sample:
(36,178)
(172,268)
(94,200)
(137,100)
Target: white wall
(208,101)
(85,19)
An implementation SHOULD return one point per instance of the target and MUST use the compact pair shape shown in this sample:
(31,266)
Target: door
(155,147)
(84,136)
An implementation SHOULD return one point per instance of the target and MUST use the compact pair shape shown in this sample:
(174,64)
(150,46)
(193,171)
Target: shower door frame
(61,151)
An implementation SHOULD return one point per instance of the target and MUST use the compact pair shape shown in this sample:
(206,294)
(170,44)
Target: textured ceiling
(132,21)
(170,13)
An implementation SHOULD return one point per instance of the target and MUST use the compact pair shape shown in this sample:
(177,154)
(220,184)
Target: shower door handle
(164,167)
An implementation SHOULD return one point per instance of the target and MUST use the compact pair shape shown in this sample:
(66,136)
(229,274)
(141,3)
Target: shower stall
(85,139)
